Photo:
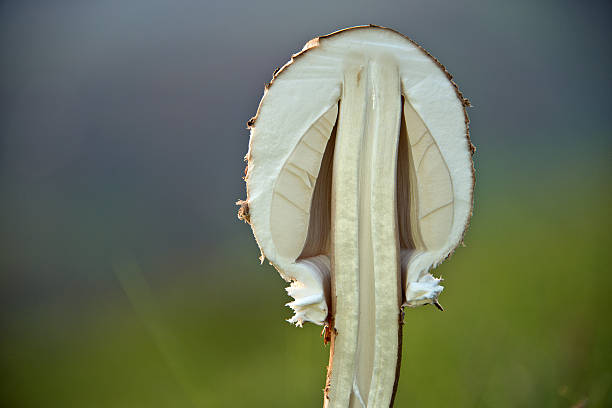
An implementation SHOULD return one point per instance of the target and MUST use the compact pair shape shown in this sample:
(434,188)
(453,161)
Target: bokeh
(126,279)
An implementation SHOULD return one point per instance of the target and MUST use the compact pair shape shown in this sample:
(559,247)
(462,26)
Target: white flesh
(354,196)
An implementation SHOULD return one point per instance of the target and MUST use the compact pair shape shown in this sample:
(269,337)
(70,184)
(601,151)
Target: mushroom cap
(292,127)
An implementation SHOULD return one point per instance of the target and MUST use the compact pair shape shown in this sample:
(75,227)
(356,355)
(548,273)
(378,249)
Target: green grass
(526,325)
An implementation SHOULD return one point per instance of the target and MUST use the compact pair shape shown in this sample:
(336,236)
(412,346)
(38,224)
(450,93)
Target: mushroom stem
(366,283)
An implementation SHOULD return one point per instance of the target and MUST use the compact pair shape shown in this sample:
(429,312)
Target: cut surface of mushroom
(359,181)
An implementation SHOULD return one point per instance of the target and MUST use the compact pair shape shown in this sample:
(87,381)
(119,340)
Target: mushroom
(359,181)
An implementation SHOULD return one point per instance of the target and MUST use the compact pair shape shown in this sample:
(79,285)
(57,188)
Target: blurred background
(126,279)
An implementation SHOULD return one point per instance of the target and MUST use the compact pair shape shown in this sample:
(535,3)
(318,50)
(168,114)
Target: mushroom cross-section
(359,181)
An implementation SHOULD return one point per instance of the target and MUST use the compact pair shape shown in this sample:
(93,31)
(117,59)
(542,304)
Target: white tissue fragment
(424,291)
(310,291)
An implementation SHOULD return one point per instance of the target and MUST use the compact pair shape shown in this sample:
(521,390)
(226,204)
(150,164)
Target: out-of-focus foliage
(526,324)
